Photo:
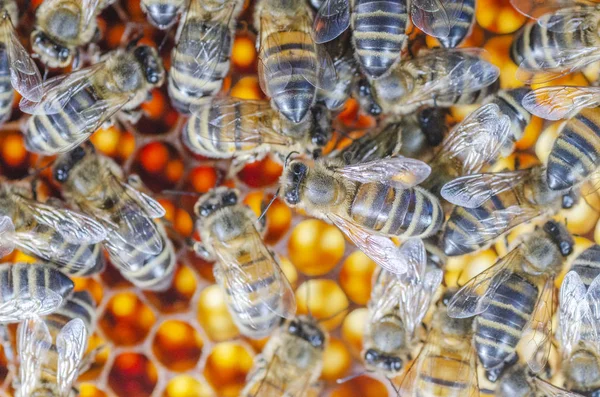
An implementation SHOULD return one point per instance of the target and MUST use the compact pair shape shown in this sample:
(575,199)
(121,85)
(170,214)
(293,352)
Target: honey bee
(94,184)
(65,238)
(397,307)
(34,344)
(578,323)
(574,155)
(513,297)
(439,78)
(558,43)
(247,130)
(292,68)
(200,60)
(369,202)
(61,27)
(446,365)
(345,68)
(510,104)
(470,145)
(30,290)
(257,292)
(489,205)
(291,361)
(17,69)
(162,13)
(519,381)
(75,105)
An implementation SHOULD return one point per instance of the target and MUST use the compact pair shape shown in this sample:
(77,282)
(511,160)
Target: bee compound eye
(371,355)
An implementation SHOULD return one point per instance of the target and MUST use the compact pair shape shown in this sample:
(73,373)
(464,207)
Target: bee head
(582,371)
(365,97)
(291,181)
(308,331)
(151,64)
(161,15)
(53,54)
(321,127)
(560,236)
(214,200)
(379,361)
(66,162)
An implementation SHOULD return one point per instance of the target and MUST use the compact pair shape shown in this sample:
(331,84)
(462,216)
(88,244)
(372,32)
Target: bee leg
(201,251)
(120,12)
(493,374)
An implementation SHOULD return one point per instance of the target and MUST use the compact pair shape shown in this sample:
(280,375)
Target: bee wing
(24,74)
(546,389)
(7,231)
(276,68)
(477,294)
(332,19)
(591,317)
(415,299)
(568,19)
(436,17)
(74,227)
(150,206)
(477,140)
(379,248)
(560,102)
(472,191)
(70,345)
(459,79)
(236,278)
(26,304)
(541,325)
(89,10)
(33,343)
(571,298)
(569,60)
(535,9)
(398,171)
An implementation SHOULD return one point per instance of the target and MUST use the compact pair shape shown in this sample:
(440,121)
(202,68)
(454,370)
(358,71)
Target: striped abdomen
(289,67)
(499,328)
(446,373)
(396,212)
(60,131)
(6,90)
(200,63)
(535,47)
(378,34)
(257,292)
(509,102)
(576,151)
(587,265)
(461,25)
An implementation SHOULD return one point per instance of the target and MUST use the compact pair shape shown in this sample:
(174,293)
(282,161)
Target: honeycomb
(182,342)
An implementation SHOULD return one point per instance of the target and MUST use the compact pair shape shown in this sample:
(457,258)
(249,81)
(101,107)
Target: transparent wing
(472,191)
(70,344)
(541,325)
(25,305)
(436,17)
(568,19)
(89,10)
(591,318)
(7,230)
(247,283)
(33,343)
(228,119)
(332,19)
(564,61)
(414,253)
(150,206)
(415,298)
(465,72)
(398,171)
(535,8)
(571,298)
(379,248)
(547,389)
(74,227)
(199,52)
(560,102)
(475,296)
(24,74)
(477,140)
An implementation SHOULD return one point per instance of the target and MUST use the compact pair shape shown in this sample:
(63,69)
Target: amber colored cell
(580,219)
(244,52)
(545,141)
(90,285)
(214,316)
(13,150)
(498,48)
(577,79)
(178,296)
(247,88)
(154,157)
(531,134)
(101,350)
(278,216)
(132,374)
(315,247)
(226,368)
(177,345)
(187,386)
(261,173)
(126,319)
(126,145)
(353,329)
(518,160)
(498,16)
(184,224)
(355,277)
(203,178)
(155,107)
(89,390)
(289,270)
(106,140)
(361,386)
(324,300)
(174,170)
(336,360)
(169,207)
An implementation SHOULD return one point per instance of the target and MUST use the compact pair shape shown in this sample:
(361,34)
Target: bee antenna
(180,193)
(350,377)
(288,157)
(264,211)
(396,390)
